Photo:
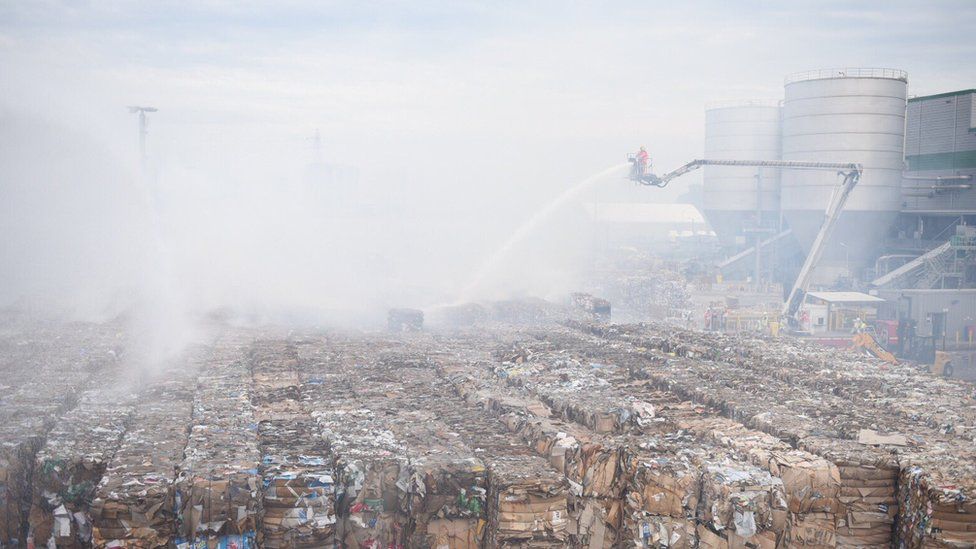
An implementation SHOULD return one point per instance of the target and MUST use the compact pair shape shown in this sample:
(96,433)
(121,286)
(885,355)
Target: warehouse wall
(940,141)
(959,306)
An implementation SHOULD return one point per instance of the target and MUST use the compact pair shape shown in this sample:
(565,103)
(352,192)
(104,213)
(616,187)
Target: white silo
(844,115)
(736,198)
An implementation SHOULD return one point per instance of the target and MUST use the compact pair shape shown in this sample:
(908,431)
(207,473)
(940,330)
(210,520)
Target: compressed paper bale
(810,530)
(371,465)
(866,504)
(16,458)
(811,484)
(299,501)
(134,504)
(594,522)
(370,497)
(446,486)
(218,487)
(931,515)
(69,467)
(453,534)
(593,465)
(645,530)
(297,464)
(664,483)
(527,504)
(739,497)
(45,366)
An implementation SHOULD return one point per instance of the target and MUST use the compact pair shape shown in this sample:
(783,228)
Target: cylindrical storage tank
(735,198)
(844,115)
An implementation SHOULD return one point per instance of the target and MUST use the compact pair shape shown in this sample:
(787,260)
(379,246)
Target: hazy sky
(461,117)
(514,89)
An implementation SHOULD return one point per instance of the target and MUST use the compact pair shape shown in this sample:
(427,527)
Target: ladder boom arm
(838,199)
(662,181)
(851,172)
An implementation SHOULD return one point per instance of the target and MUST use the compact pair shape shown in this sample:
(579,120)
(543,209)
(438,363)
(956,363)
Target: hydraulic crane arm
(662,181)
(851,172)
(838,198)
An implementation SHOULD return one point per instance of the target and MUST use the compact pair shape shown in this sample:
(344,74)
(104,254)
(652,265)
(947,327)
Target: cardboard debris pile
(902,389)
(665,506)
(875,423)
(217,488)
(497,436)
(69,467)
(134,504)
(45,366)
(651,470)
(297,465)
(527,504)
(416,464)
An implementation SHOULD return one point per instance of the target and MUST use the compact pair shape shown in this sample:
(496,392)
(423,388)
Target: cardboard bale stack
(21,436)
(811,484)
(71,464)
(218,489)
(740,503)
(134,504)
(625,405)
(44,366)
(857,518)
(662,497)
(369,460)
(591,464)
(446,499)
(441,483)
(866,507)
(903,388)
(530,502)
(297,465)
(299,486)
(937,512)
(590,461)
(527,504)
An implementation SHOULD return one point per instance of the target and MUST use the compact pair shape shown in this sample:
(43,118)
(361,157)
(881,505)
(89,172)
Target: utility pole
(143,130)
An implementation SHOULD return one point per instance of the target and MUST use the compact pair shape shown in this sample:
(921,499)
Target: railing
(963,242)
(847,72)
(729,103)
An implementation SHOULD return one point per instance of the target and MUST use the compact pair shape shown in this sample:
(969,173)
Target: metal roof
(846,297)
(939,95)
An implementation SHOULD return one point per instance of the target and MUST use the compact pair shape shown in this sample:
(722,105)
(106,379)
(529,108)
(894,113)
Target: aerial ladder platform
(851,172)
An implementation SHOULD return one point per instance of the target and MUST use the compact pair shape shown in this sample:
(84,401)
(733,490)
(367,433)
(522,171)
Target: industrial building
(906,233)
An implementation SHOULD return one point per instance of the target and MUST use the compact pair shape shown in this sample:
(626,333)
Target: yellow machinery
(942,365)
(867,342)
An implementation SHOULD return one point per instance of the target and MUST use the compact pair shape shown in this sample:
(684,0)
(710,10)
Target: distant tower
(317,147)
(143,129)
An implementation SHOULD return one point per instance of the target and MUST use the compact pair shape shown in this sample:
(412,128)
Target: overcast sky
(510,86)
(468,111)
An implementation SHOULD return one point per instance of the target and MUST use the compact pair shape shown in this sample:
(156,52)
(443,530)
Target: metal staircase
(931,269)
